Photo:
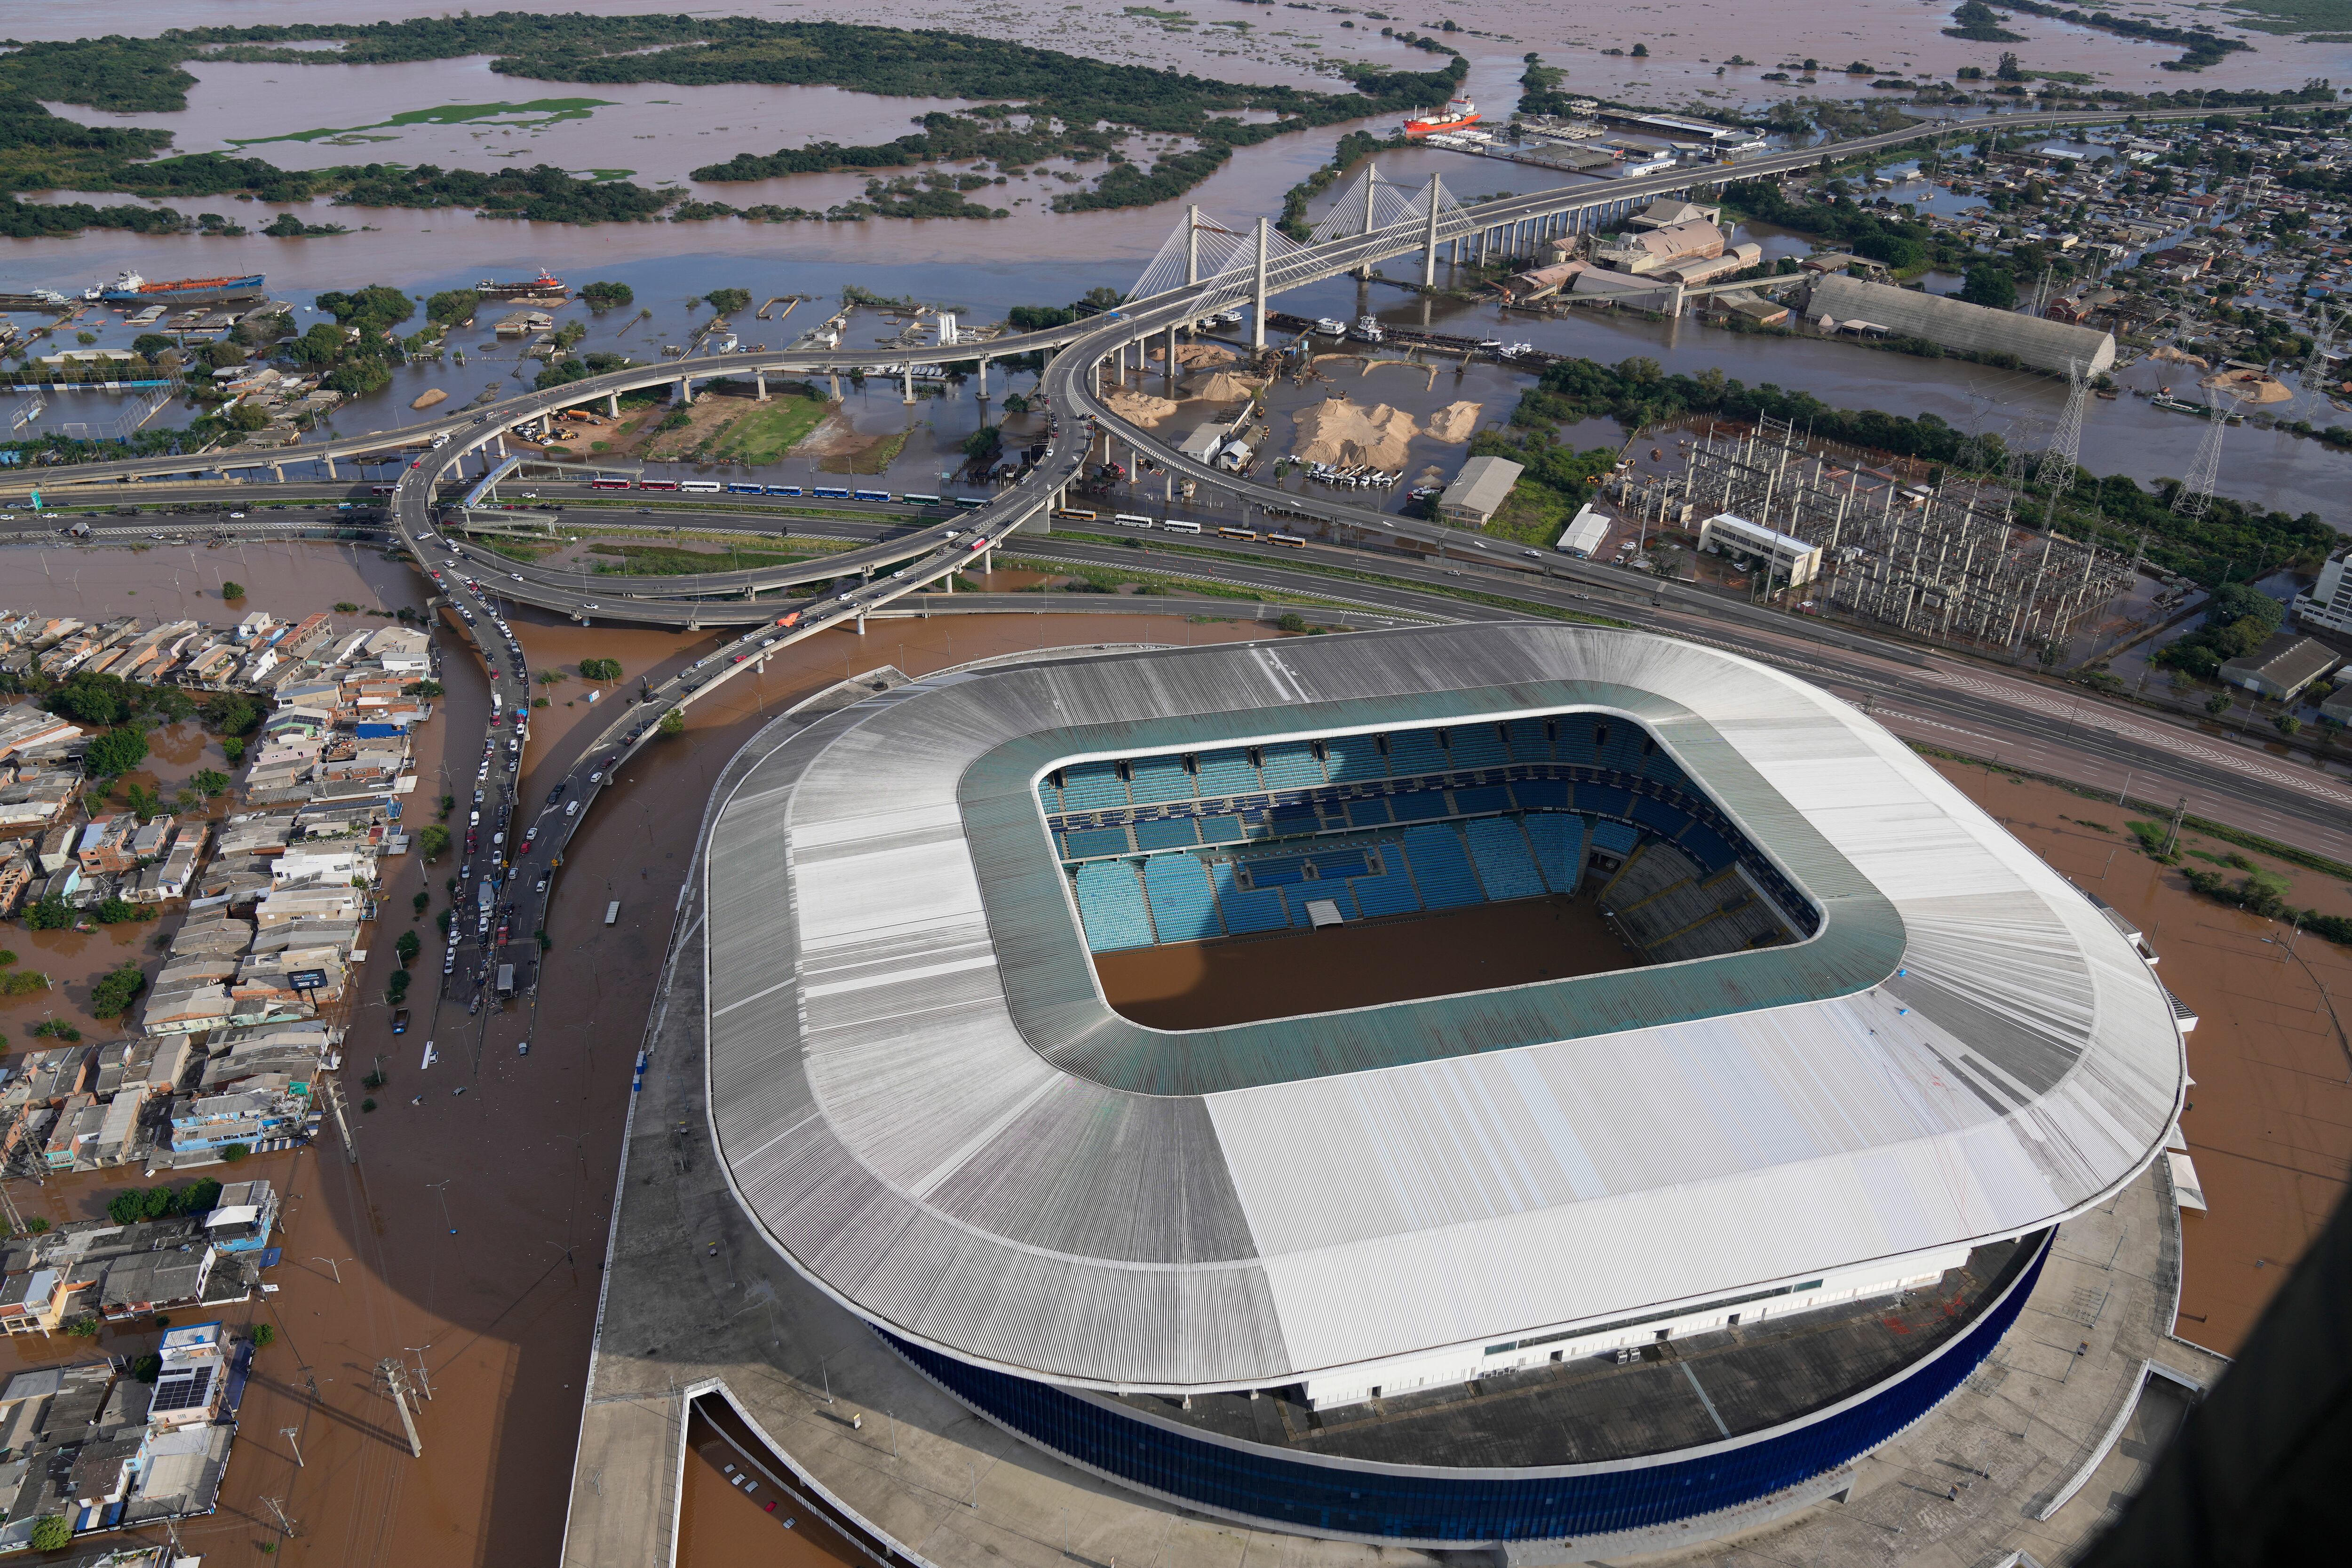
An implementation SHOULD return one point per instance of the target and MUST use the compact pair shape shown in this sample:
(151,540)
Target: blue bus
(783,490)
(871,495)
(823,493)
(970,504)
(738,489)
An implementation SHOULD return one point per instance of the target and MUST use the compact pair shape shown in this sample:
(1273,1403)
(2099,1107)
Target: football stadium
(1449,1086)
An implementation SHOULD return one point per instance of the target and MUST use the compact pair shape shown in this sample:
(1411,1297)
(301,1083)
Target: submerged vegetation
(1031,104)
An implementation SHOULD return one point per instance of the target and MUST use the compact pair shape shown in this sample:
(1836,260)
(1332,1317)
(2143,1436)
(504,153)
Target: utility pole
(293,1435)
(2172,837)
(276,1507)
(396,1377)
(342,1124)
(423,1377)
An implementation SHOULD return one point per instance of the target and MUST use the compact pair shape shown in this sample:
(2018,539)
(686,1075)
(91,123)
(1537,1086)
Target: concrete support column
(1191,245)
(861,622)
(1257,294)
(611,405)
(983,378)
(1171,354)
(759,384)
(1429,238)
(278,472)
(503,448)
(686,389)
(331,464)
(906,382)
(1372,190)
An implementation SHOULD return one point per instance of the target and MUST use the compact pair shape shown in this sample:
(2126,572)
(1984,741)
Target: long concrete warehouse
(1956,325)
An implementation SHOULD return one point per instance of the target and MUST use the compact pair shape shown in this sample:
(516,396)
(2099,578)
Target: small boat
(1368,331)
(1457,113)
(1332,326)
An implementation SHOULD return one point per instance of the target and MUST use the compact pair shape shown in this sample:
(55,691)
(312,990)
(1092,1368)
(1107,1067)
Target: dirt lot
(1242,979)
(2270,1118)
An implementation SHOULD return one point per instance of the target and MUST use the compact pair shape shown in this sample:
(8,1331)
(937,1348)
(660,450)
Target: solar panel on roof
(182,1393)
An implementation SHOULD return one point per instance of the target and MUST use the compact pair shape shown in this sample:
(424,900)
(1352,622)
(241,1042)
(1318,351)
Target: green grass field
(770,430)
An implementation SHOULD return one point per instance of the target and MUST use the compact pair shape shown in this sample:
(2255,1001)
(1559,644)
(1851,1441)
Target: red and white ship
(1456,114)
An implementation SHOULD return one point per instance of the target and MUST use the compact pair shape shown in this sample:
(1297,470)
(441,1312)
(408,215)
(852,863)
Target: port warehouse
(2036,343)
(1136,1248)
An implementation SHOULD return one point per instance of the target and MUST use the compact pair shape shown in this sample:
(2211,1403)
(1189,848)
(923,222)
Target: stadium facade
(1572,1257)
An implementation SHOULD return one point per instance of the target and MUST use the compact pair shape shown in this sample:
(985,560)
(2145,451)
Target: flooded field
(2270,1118)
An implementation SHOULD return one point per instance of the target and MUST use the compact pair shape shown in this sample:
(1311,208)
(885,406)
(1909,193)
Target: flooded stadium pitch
(1362,964)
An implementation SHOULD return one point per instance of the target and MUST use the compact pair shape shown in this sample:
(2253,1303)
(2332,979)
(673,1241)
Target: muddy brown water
(472,1231)
(2269,1123)
(1240,979)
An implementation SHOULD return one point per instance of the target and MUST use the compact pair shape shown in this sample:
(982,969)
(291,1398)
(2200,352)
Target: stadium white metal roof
(922,1096)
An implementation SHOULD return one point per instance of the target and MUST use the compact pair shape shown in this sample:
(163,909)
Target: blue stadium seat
(1154,779)
(1340,863)
(1368,813)
(1182,906)
(1262,910)
(1049,797)
(1623,751)
(1290,765)
(1422,806)
(1388,895)
(1526,740)
(1615,837)
(1707,847)
(1540,795)
(1175,833)
(1559,841)
(1413,754)
(1476,745)
(1659,817)
(1285,820)
(1604,800)
(1666,770)
(1352,759)
(1092,786)
(1500,850)
(1111,906)
(1089,842)
(1440,867)
(1277,872)
(1482,798)
(1575,743)
(1227,773)
(1339,893)
(1221,829)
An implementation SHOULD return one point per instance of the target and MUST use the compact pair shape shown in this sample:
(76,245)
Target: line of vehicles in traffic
(813,492)
(1177,525)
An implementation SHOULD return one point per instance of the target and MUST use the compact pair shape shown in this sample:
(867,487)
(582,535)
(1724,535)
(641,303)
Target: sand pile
(1454,422)
(1337,431)
(1190,355)
(1225,387)
(2249,386)
(430,397)
(2179,356)
(1139,408)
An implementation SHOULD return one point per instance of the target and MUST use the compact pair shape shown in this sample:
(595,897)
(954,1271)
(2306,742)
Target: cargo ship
(1456,114)
(545,283)
(133,290)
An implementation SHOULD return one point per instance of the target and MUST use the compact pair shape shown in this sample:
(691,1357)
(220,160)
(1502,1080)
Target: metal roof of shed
(922,1098)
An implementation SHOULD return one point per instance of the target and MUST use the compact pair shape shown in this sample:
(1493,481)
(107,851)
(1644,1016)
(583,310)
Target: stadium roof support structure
(924,1101)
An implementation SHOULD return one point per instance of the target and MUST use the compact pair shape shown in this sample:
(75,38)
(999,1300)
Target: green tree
(150,345)
(608,296)
(209,783)
(114,911)
(50,1532)
(982,445)
(407,948)
(50,912)
(114,753)
(1990,285)
(600,669)
(2288,724)
(727,301)
(424,689)
(263,1335)
(115,990)
(673,723)
(2218,704)
(233,749)
(231,1153)
(232,591)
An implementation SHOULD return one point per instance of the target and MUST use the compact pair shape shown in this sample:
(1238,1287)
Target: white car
(236,514)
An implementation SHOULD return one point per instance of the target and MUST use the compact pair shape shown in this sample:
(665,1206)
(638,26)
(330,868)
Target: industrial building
(1790,560)
(2328,606)
(1478,491)
(2045,345)
(1401,1273)
(2282,667)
